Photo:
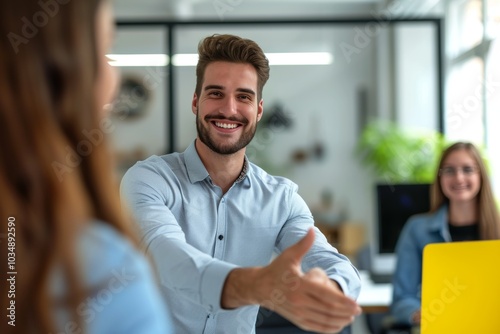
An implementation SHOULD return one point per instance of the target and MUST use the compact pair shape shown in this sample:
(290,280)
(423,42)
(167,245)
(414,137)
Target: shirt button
(221,237)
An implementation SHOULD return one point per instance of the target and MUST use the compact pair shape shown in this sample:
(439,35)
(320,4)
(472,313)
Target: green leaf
(400,156)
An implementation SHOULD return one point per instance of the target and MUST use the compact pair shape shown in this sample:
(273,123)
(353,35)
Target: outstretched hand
(310,300)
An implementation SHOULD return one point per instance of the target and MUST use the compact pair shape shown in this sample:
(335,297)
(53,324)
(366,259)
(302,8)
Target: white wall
(416,76)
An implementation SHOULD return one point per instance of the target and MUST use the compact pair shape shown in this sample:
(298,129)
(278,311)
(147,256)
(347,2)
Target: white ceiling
(237,9)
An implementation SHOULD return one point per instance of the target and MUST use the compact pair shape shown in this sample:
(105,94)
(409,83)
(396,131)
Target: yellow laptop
(461,288)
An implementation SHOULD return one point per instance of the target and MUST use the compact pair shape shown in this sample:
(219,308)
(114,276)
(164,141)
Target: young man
(211,219)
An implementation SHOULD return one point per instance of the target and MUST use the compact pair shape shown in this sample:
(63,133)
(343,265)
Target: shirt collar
(439,217)
(195,168)
(197,171)
(244,171)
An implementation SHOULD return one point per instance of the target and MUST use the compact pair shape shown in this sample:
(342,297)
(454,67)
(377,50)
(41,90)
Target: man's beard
(222,148)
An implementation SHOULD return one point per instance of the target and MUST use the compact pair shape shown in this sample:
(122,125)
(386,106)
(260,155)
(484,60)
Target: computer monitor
(395,204)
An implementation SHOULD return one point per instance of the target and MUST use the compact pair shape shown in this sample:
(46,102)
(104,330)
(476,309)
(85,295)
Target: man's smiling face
(227,110)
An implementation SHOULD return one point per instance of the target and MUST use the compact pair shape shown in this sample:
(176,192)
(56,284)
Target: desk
(374,298)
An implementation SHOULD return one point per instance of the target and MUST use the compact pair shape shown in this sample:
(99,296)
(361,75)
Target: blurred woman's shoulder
(101,248)
(123,295)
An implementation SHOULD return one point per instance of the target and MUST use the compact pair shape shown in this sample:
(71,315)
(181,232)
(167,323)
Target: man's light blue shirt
(197,235)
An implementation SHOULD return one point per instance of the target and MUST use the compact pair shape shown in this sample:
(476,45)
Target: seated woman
(462,208)
(72,258)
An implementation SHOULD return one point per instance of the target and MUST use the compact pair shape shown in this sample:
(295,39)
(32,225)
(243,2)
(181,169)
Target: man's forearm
(240,288)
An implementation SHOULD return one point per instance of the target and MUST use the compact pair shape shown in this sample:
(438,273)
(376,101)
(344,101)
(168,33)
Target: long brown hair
(489,219)
(54,178)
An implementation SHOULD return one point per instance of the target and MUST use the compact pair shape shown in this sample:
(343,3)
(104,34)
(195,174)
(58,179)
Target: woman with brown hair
(462,208)
(70,257)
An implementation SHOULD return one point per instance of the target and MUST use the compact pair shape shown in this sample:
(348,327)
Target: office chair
(269,322)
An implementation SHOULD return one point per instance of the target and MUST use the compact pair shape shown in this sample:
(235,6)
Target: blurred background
(361,93)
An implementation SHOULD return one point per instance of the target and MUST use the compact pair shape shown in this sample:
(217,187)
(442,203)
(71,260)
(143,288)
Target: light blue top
(197,235)
(419,231)
(123,294)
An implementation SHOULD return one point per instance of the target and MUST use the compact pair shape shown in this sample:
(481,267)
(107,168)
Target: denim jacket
(418,231)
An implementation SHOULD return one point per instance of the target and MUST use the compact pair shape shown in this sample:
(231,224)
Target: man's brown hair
(233,49)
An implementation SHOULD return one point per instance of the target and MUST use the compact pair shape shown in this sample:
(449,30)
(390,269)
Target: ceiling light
(185,59)
(139,60)
(300,58)
(190,59)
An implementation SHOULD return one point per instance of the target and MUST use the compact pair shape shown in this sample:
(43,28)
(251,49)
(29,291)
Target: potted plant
(400,156)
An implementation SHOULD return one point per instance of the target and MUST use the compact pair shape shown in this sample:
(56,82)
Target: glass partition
(313,113)
(140,114)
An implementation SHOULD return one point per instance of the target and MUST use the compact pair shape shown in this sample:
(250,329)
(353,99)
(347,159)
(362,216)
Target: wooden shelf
(348,237)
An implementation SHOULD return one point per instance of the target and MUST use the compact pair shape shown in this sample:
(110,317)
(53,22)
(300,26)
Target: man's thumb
(300,249)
